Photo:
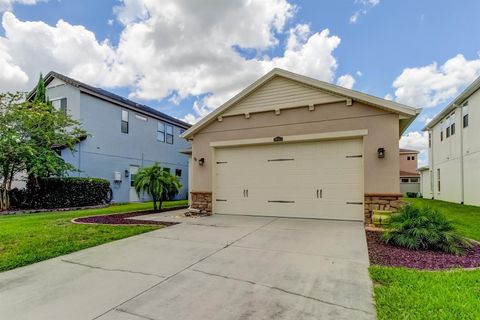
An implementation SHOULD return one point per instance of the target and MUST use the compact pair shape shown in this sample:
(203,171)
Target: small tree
(156,182)
(29,132)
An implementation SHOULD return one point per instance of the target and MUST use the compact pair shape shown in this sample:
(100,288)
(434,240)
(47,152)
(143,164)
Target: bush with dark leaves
(423,229)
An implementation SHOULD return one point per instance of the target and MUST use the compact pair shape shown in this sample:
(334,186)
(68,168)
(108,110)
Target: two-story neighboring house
(454,150)
(124,136)
(409,176)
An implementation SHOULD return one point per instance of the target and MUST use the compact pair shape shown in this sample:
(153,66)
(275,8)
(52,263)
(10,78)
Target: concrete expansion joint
(110,270)
(281,290)
(134,314)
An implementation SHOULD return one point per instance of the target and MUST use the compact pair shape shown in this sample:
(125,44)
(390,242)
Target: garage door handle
(247,193)
(319,193)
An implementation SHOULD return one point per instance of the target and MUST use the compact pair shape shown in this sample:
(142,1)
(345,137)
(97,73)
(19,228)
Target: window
(166,169)
(438,180)
(60,104)
(404,180)
(414,180)
(169,131)
(161,131)
(178,172)
(452,129)
(448,132)
(124,126)
(413,157)
(441,135)
(465,114)
(408,158)
(429,139)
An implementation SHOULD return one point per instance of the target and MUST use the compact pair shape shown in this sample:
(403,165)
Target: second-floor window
(429,139)
(169,132)
(124,125)
(60,104)
(164,132)
(161,131)
(465,115)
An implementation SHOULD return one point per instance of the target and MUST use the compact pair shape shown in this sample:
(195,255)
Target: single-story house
(292,146)
(409,176)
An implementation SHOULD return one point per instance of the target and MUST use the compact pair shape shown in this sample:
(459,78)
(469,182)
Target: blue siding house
(124,136)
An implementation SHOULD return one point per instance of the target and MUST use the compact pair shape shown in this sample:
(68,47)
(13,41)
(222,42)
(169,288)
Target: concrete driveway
(219,267)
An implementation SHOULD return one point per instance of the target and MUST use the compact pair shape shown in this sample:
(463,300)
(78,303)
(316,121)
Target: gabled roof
(459,100)
(408,151)
(113,98)
(408,113)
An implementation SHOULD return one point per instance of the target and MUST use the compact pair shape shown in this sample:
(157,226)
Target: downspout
(462,171)
(79,158)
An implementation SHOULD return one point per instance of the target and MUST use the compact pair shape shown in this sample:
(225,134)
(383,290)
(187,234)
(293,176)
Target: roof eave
(354,95)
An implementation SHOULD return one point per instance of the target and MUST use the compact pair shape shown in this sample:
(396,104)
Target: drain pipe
(462,171)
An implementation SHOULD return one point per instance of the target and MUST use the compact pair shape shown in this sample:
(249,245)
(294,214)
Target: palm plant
(422,229)
(156,182)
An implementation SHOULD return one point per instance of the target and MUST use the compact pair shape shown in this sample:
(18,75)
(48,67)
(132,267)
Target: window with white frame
(465,114)
(161,131)
(169,134)
(124,124)
(438,180)
(60,104)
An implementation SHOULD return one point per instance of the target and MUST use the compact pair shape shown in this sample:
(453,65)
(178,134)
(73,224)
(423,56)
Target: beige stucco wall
(381,175)
(408,165)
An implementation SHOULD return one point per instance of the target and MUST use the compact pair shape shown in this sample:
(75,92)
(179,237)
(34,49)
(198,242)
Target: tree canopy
(31,132)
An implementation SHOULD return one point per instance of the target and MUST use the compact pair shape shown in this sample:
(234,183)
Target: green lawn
(410,294)
(29,238)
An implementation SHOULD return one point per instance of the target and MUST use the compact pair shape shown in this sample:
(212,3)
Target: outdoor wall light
(381,152)
(127,173)
(201,161)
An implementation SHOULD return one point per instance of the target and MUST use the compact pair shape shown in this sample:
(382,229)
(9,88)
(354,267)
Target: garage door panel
(310,180)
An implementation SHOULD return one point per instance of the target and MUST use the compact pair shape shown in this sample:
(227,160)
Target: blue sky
(185,59)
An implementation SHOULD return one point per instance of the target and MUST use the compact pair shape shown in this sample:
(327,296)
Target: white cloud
(359,73)
(388,96)
(430,85)
(366,5)
(68,49)
(346,81)
(6,5)
(172,49)
(417,141)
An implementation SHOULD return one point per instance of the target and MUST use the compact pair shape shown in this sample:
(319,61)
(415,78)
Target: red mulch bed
(388,255)
(121,218)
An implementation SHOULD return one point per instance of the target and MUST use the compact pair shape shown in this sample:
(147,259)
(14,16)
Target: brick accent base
(202,201)
(381,201)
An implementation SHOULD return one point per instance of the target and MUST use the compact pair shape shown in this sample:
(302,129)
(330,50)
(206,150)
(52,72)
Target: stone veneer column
(201,201)
(381,201)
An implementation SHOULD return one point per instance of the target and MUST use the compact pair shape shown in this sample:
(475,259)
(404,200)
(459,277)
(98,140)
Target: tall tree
(40,91)
(156,182)
(29,132)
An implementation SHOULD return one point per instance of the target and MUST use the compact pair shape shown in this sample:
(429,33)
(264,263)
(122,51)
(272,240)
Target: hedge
(66,192)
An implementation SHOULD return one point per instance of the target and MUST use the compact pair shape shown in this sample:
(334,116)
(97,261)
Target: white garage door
(305,180)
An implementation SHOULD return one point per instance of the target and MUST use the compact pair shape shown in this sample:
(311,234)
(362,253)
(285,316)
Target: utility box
(117,176)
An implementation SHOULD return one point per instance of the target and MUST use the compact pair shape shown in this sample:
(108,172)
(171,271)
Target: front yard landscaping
(402,293)
(29,238)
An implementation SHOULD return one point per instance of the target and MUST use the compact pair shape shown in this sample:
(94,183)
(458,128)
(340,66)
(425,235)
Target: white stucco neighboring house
(425,183)
(454,149)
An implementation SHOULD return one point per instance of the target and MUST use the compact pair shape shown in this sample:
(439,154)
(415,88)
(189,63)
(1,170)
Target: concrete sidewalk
(218,267)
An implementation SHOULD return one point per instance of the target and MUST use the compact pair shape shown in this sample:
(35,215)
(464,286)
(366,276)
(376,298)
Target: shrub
(423,229)
(63,193)
(412,194)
